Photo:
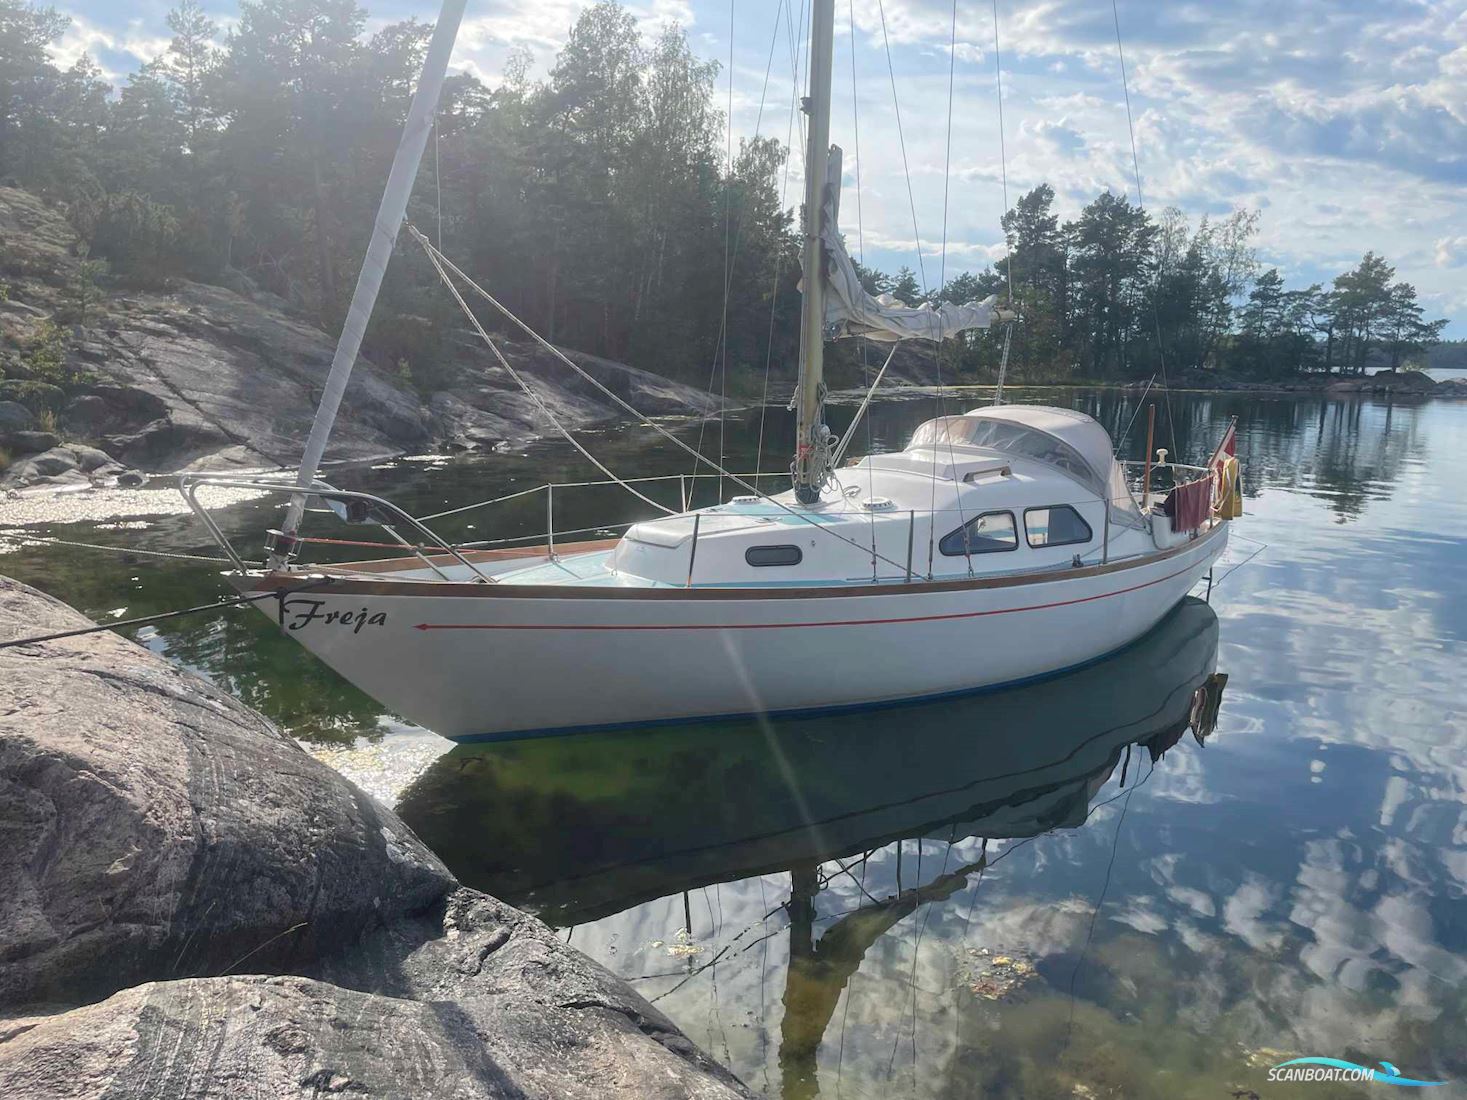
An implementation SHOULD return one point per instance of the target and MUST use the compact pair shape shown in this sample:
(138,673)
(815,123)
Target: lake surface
(1241,841)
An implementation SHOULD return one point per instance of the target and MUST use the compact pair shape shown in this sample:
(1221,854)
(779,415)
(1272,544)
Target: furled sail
(851,311)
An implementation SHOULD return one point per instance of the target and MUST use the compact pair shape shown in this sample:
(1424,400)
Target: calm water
(1242,840)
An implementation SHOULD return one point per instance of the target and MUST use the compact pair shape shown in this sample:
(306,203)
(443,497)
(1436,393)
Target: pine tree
(26,73)
(188,66)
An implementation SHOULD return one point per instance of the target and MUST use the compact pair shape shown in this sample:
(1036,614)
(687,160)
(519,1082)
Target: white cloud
(1451,251)
(487,37)
(1057,137)
(136,45)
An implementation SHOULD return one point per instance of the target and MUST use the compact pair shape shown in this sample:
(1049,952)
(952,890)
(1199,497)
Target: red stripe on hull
(790,626)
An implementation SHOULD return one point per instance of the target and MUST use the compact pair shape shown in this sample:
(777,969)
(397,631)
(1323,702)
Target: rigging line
(952,64)
(779,255)
(1141,205)
(902,142)
(763,992)
(856,130)
(23,538)
(947,155)
(1134,414)
(840,1057)
(481,544)
(963,948)
(727,229)
(1003,163)
(144,620)
(795,116)
(697,971)
(1100,901)
(437,183)
(795,36)
(841,447)
(440,262)
(916,948)
(484,503)
(1003,156)
(850,874)
(720,353)
(713,1007)
(1218,583)
(861,255)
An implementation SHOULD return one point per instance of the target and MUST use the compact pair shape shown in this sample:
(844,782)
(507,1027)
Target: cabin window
(985,534)
(773,555)
(1058,525)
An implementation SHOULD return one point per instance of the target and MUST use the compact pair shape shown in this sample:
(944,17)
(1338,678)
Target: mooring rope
(144,620)
(25,536)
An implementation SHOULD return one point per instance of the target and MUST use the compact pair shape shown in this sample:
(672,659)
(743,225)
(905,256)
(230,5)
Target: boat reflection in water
(618,831)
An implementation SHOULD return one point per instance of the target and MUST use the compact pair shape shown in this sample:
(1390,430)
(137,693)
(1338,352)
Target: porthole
(762,556)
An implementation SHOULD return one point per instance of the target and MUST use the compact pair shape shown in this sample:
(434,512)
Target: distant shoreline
(1403,384)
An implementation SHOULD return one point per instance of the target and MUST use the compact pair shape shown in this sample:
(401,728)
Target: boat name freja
(309,611)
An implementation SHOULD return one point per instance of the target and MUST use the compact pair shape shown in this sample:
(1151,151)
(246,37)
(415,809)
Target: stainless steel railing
(360,507)
(371,509)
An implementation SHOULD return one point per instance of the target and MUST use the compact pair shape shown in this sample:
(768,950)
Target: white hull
(484,661)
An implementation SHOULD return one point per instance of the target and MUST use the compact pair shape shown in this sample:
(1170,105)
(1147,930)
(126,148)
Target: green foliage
(137,235)
(27,78)
(34,395)
(1115,294)
(82,292)
(416,347)
(186,69)
(46,353)
(1447,355)
(44,357)
(906,288)
(602,205)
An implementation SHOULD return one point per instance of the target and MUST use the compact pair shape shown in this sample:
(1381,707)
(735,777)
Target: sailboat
(1000,546)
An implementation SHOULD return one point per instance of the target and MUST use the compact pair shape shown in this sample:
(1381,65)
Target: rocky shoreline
(191,906)
(197,376)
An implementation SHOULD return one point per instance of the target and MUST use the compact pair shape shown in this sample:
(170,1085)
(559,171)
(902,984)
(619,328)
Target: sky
(1343,122)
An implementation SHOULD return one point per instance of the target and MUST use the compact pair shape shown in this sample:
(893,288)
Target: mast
(812,446)
(379,250)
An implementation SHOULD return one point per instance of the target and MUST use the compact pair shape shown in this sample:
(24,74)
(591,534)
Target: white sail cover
(851,311)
